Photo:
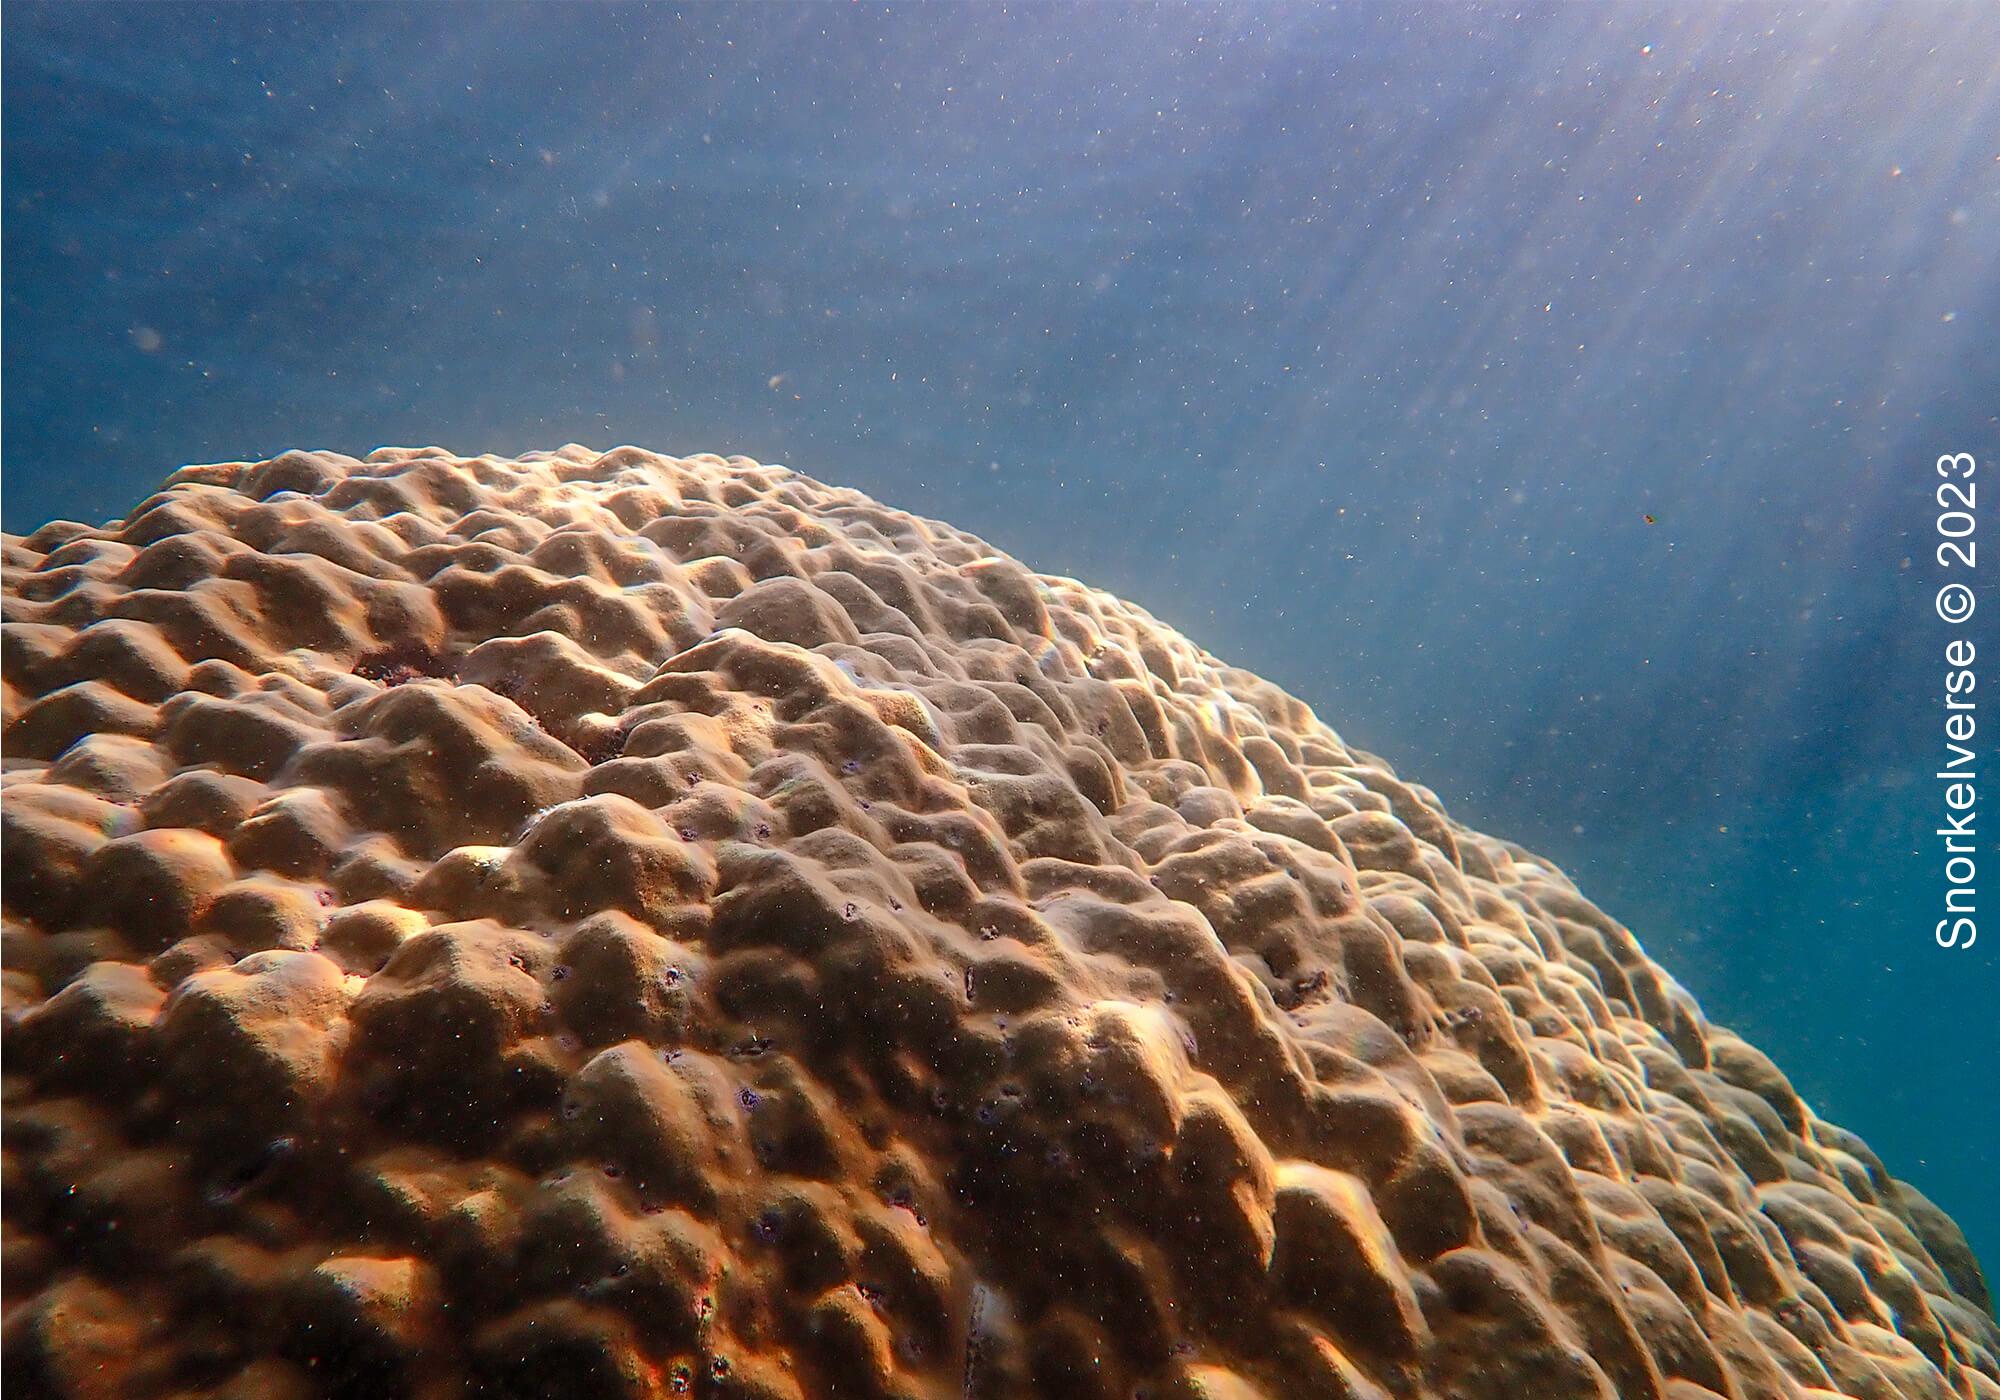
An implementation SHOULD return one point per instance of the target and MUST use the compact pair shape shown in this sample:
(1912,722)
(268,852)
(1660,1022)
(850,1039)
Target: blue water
(1360,344)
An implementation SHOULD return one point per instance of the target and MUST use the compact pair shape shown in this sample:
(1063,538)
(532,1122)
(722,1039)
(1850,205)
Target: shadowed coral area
(610,925)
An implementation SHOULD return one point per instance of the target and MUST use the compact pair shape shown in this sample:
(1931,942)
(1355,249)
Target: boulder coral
(611,925)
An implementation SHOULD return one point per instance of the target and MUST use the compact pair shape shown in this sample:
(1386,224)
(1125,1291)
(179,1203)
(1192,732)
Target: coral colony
(610,925)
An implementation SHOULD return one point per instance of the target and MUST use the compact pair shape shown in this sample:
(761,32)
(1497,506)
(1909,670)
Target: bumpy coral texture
(622,926)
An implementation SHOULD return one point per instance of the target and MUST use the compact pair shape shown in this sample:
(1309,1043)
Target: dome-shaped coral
(619,926)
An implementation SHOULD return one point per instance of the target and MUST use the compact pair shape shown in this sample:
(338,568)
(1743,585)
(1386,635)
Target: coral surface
(623,926)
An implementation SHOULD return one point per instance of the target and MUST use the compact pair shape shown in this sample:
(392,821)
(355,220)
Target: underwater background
(1549,395)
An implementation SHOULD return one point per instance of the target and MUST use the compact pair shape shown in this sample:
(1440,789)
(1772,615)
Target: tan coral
(617,925)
